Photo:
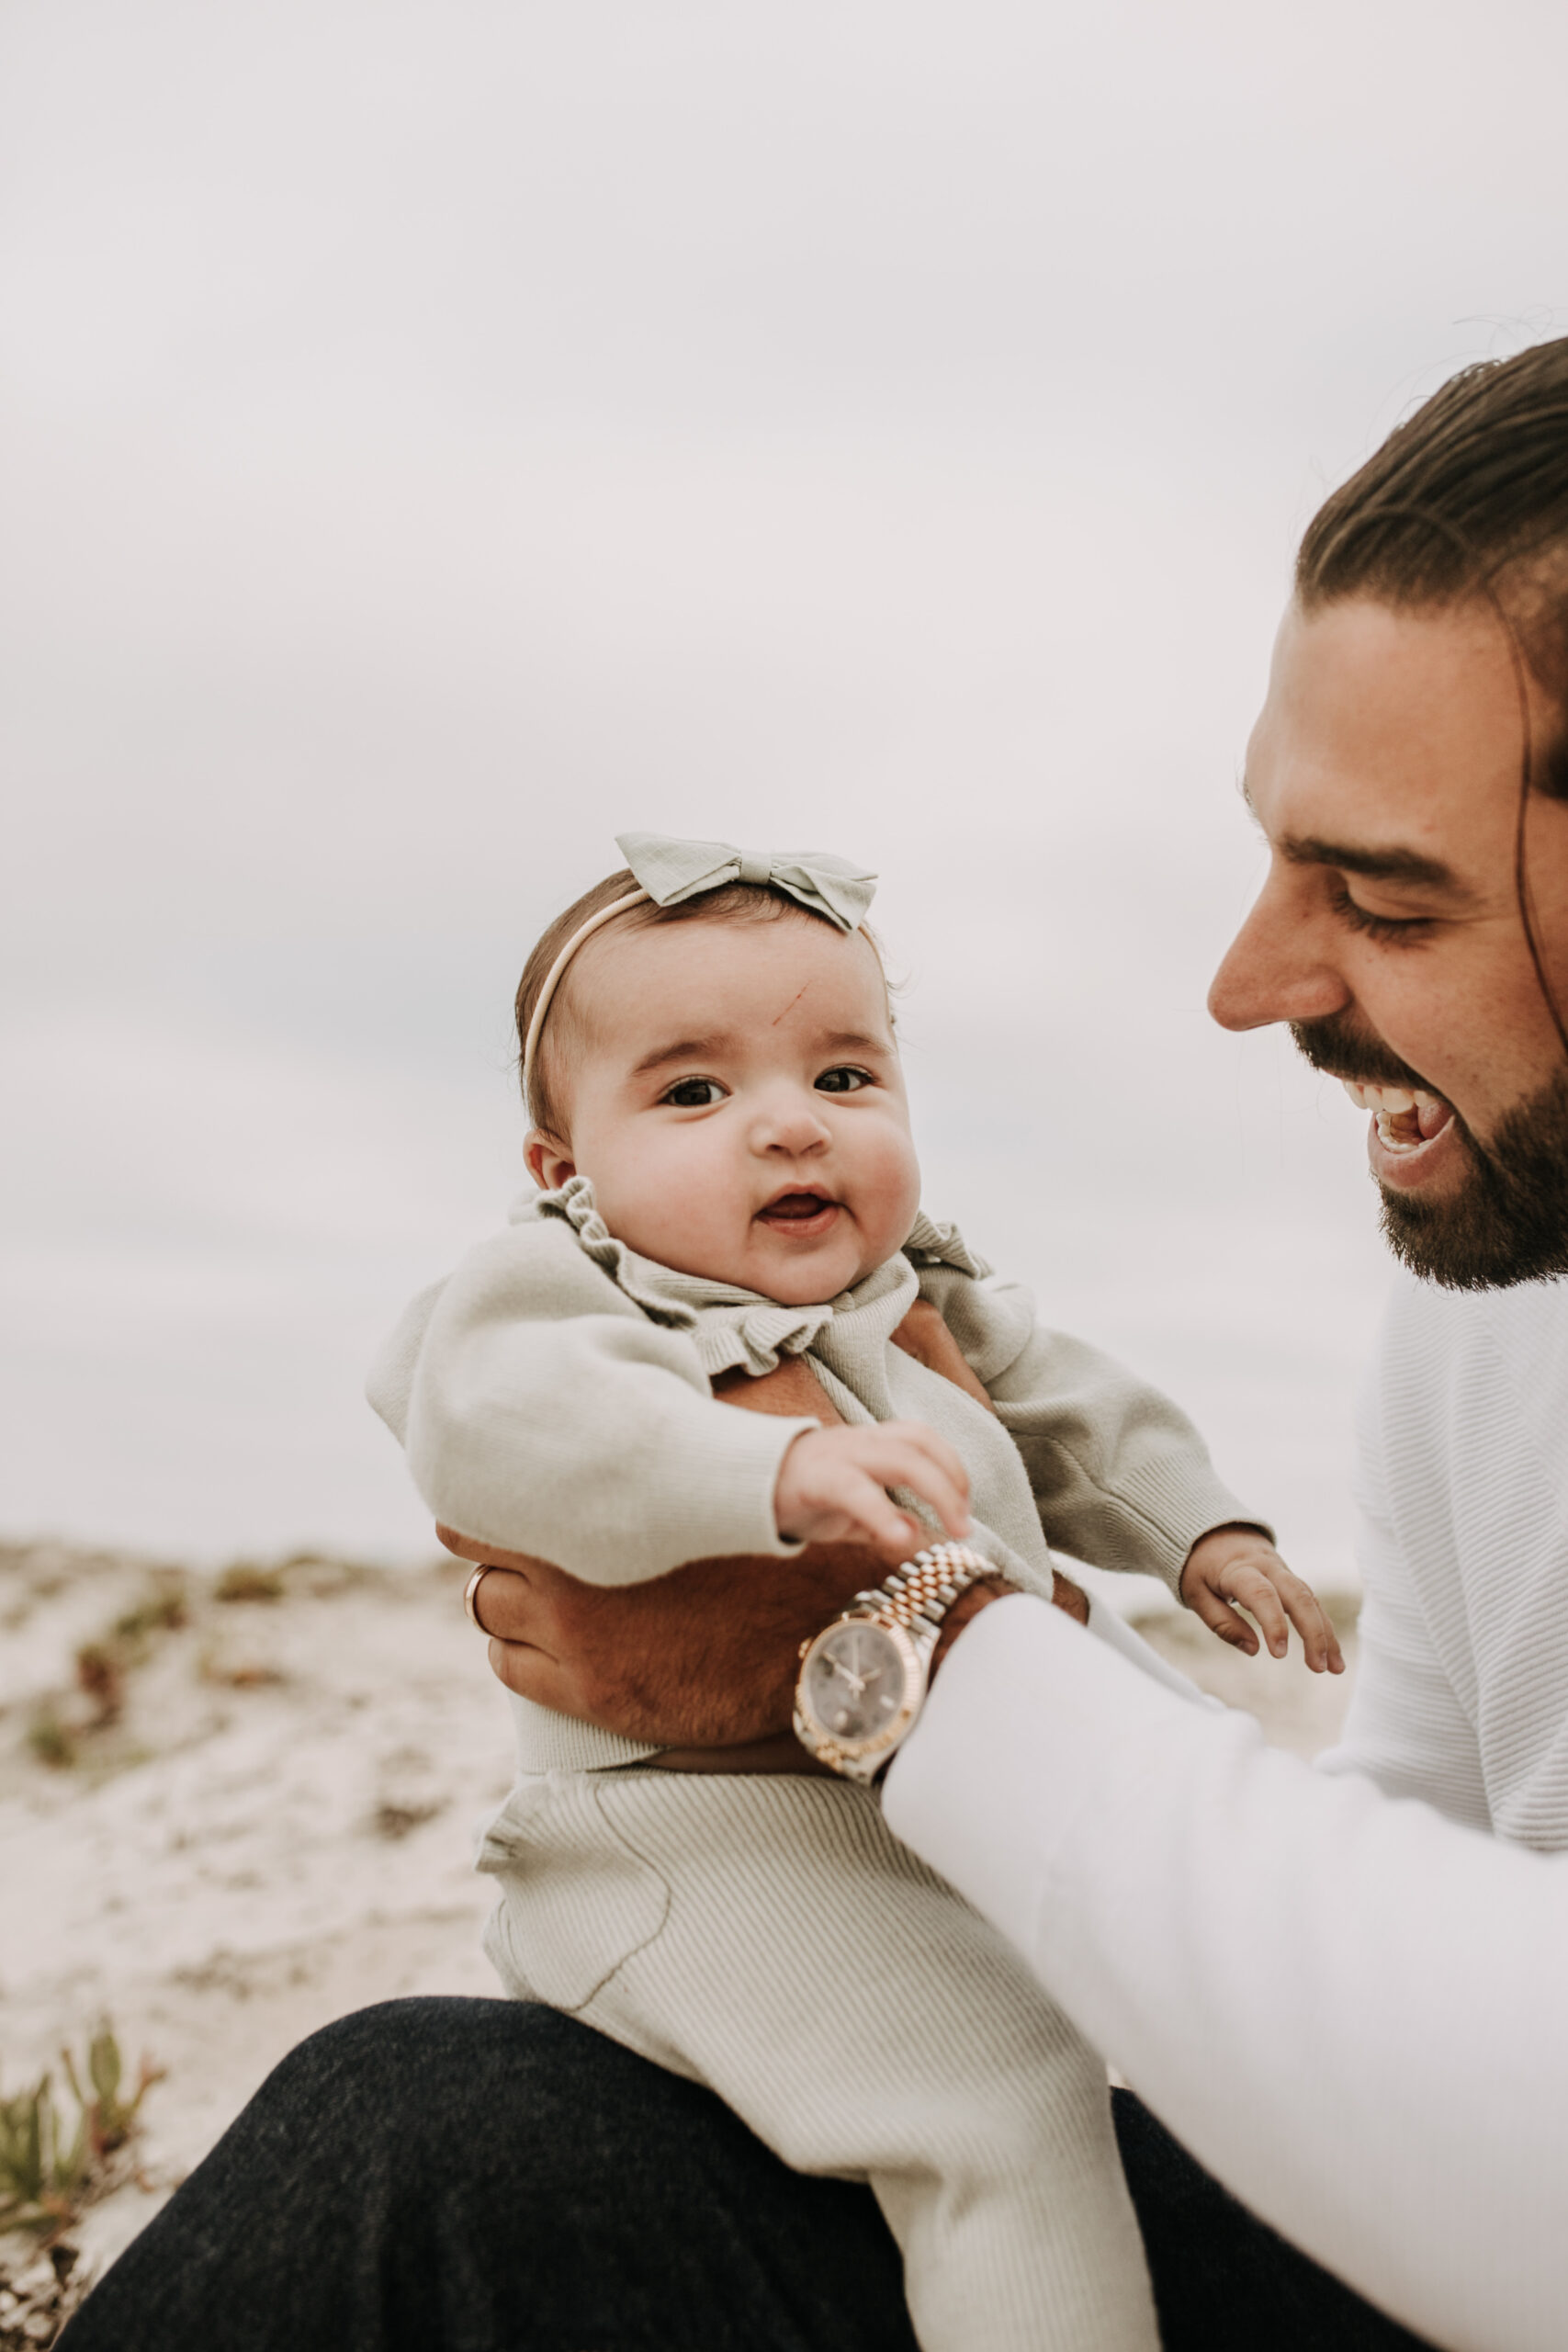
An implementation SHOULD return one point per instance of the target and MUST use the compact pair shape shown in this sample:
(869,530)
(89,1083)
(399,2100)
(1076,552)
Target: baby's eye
(693,1093)
(844,1082)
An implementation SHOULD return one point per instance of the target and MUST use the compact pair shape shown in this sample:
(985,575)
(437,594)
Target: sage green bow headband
(668,870)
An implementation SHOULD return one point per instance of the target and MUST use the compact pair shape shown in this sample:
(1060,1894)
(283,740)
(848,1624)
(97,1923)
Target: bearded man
(1410,771)
(1348,2006)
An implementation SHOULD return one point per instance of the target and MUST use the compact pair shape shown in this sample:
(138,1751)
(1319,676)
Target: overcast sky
(439,438)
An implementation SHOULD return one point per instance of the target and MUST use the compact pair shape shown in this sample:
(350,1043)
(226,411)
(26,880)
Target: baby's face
(735,1096)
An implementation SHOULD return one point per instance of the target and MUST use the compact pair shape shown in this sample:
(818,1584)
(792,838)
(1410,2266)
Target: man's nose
(1277,967)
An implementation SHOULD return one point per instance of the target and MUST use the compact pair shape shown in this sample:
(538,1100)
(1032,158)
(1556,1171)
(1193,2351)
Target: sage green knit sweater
(768,1936)
(553,1397)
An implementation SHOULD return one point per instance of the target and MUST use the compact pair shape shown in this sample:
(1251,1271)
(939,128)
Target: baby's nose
(790,1123)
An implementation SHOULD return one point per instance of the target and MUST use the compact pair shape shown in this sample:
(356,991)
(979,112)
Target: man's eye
(844,1081)
(1404,930)
(693,1093)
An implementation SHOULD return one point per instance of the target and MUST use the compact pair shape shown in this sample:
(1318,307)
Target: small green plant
(162,1611)
(108,2118)
(51,1741)
(245,1581)
(50,2166)
(43,2162)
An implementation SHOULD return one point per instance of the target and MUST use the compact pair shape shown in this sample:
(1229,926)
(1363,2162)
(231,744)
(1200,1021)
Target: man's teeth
(1406,1115)
(1393,1101)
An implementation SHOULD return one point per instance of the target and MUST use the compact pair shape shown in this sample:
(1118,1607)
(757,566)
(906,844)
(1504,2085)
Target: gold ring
(472,1593)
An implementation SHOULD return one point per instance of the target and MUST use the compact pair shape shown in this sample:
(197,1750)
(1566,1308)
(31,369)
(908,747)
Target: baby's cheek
(685,1205)
(642,1197)
(888,1190)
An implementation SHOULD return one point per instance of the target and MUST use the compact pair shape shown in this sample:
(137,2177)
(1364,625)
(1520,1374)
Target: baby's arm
(1121,1476)
(543,1413)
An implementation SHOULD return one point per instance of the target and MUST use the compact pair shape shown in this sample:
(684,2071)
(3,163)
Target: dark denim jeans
(446,2176)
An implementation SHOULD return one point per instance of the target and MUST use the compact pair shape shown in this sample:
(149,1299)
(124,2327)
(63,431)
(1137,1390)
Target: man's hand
(832,1487)
(703,1661)
(705,1657)
(1239,1565)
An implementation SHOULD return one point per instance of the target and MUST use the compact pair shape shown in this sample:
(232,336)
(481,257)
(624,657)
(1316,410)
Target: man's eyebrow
(1392,865)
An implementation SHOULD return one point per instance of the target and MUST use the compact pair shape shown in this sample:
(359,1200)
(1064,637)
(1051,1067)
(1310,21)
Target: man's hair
(1466,501)
(731,902)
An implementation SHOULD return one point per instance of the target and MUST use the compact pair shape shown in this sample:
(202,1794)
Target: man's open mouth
(1406,1116)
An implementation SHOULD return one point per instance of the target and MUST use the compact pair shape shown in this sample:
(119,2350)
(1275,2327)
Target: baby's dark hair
(731,902)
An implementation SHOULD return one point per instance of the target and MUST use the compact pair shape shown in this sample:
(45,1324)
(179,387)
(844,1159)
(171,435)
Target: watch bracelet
(918,1594)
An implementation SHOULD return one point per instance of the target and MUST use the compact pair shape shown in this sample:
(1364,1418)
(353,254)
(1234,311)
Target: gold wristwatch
(863,1680)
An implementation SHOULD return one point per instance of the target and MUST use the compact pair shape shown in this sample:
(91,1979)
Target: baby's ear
(547,1159)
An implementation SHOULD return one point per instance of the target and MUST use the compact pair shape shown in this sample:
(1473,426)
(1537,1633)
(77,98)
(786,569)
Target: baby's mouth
(803,1214)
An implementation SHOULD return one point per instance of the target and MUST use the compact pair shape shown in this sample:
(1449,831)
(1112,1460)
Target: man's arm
(1347,2008)
(702,1660)
(705,1657)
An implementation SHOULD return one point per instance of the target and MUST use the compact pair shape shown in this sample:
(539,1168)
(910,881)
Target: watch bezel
(854,1756)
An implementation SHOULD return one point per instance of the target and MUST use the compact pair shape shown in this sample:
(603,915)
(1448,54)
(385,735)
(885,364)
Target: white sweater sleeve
(542,1411)
(1350,2009)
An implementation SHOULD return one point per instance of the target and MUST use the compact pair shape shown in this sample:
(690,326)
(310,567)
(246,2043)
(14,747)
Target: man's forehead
(1388,746)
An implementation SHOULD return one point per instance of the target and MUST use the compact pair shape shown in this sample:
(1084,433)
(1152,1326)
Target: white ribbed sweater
(1461,1692)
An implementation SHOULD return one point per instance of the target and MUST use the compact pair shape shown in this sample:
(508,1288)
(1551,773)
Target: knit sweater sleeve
(542,1411)
(1120,1475)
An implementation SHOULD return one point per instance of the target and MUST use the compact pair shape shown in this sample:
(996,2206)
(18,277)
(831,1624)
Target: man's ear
(547,1161)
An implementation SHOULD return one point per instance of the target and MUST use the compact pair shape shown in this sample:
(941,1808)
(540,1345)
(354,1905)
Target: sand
(235,1806)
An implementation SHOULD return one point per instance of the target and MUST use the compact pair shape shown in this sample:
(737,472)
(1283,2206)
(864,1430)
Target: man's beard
(1508,1222)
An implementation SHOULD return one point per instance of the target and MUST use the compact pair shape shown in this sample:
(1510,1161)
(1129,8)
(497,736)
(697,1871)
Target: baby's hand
(1240,1564)
(834,1482)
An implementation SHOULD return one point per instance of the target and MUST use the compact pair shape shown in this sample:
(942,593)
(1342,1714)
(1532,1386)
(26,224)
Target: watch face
(859,1680)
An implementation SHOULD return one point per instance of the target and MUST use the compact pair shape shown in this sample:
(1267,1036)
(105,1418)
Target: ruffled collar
(739,1329)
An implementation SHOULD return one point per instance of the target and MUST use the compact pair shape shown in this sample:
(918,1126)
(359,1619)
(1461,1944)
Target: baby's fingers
(1311,1620)
(1255,1592)
(866,1509)
(914,1457)
(1223,1620)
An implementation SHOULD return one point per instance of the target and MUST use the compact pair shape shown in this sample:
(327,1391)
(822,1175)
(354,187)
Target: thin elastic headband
(553,975)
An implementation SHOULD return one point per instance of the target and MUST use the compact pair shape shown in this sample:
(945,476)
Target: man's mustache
(1333,1045)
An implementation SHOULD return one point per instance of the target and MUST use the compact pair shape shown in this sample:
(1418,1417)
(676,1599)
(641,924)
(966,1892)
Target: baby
(728,1183)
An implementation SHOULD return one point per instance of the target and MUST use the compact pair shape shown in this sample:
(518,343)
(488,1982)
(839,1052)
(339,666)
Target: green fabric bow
(670,870)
